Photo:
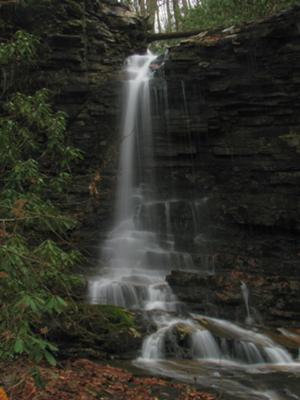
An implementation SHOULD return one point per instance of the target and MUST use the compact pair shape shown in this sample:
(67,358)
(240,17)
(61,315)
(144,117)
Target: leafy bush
(221,13)
(34,260)
(21,49)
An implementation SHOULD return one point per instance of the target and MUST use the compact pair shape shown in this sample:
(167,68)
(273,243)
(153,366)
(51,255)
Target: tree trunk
(158,21)
(151,9)
(169,14)
(176,11)
(142,7)
(185,6)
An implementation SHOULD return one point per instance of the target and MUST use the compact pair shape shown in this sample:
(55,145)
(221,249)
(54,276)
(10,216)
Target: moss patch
(292,140)
(117,317)
(96,331)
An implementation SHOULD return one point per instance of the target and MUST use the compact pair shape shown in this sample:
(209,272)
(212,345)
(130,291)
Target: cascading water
(136,258)
(245,293)
(141,249)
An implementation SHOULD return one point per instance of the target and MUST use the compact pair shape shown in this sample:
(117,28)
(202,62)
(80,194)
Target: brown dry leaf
(84,380)
(44,330)
(93,186)
(3,395)
(18,209)
(7,335)
(29,389)
(3,233)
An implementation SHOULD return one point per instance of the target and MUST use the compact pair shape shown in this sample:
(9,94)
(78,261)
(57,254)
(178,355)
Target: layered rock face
(227,136)
(226,121)
(83,46)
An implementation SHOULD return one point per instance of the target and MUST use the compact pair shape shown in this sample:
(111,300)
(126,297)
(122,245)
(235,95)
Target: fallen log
(152,37)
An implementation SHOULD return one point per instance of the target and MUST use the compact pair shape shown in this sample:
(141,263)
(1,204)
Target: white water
(245,293)
(141,249)
(137,260)
(212,339)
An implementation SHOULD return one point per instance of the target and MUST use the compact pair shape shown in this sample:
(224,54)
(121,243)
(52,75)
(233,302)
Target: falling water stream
(245,293)
(140,250)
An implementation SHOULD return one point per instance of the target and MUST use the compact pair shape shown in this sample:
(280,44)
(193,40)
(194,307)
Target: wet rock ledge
(272,300)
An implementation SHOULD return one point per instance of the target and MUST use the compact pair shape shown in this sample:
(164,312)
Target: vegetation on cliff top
(221,13)
(184,15)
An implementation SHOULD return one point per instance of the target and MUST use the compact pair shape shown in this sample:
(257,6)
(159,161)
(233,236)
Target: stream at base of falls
(229,381)
(235,361)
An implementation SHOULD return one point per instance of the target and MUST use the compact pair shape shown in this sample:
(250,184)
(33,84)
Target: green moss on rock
(97,331)
(117,317)
(292,140)
(74,8)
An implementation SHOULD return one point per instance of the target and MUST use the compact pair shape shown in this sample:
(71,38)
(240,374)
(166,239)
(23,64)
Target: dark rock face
(227,144)
(272,300)
(227,130)
(83,46)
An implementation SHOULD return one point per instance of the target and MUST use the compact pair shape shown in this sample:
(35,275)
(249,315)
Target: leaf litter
(83,379)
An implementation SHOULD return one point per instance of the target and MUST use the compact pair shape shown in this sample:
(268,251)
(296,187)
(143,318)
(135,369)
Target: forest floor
(85,380)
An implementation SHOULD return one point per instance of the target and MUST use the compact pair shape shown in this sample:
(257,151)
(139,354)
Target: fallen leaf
(3,395)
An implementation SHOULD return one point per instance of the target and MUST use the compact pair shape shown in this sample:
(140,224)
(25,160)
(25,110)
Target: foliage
(91,330)
(92,320)
(35,170)
(22,48)
(117,317)
(16,57)
(218,13)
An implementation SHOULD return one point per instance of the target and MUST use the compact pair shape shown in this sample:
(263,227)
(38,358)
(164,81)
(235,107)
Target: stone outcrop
(226,119)
(83,46)
(227,132)
(272,300)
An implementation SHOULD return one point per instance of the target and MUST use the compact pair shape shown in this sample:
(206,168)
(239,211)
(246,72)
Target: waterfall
(137,261)
(141,249)
(126,243)
(136,127)
(245,293)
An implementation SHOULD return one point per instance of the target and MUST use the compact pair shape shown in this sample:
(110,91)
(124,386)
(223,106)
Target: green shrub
(35,262)
(21,49)
(221,13)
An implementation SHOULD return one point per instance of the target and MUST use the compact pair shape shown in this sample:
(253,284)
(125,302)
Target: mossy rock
(74,8)
(178,341)
(292,140)
(96,331)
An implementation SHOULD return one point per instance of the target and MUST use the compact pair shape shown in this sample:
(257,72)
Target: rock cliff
(83,46)
(226,122)
(227,134)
